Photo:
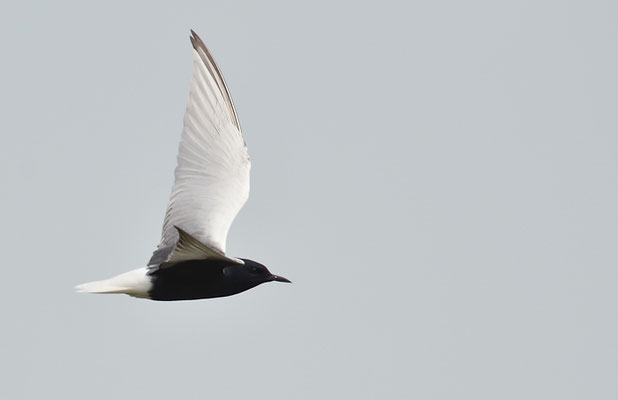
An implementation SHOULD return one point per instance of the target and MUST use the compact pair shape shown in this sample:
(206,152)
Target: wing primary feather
(212,66)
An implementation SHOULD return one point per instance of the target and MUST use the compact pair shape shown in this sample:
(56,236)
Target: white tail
(134,283)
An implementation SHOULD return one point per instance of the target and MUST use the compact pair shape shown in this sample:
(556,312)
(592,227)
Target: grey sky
(437,178)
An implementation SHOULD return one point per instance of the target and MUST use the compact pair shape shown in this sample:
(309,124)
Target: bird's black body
(203,279)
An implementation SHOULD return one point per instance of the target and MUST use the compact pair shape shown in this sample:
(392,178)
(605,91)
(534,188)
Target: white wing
(212,177)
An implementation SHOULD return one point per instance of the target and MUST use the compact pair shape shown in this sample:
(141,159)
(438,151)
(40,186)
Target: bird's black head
(252,273)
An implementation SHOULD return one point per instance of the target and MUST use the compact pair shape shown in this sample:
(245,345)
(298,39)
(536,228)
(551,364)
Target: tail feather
(104,286)
(134,283)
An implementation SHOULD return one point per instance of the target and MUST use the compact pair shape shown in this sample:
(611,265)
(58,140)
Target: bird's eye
(254,269)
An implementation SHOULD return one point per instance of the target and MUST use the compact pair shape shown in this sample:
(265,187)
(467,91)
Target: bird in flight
(211,185)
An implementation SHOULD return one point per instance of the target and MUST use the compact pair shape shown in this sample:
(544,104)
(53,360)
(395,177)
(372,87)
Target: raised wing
(212,177)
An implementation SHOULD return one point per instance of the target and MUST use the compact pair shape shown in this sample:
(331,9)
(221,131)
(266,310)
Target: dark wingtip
(211,65)
(193,39)
(196,41)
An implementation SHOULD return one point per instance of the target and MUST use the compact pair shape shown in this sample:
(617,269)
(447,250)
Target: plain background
(437,178)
